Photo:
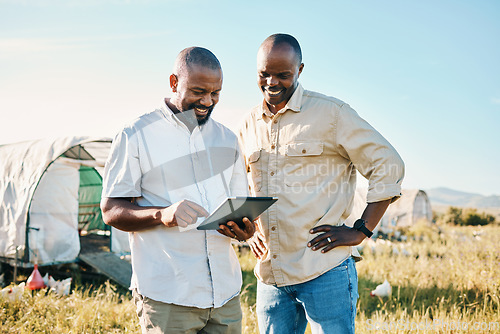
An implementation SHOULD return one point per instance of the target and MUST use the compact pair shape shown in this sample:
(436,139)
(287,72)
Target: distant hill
(446,196)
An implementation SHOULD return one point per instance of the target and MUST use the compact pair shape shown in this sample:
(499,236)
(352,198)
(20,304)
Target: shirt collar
(167,112)
(294,103)
(170,116)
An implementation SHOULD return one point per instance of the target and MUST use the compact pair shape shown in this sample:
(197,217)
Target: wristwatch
(360,226)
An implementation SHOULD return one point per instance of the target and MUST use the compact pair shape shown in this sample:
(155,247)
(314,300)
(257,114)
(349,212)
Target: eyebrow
(204,90)
(279,73)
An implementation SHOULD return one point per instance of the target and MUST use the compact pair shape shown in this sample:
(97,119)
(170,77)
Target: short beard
(205,119)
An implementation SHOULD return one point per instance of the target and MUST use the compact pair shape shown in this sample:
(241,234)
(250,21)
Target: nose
(272,80)
(206,100)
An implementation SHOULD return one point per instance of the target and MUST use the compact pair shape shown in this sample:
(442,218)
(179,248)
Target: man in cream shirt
(304,148)
(165,172)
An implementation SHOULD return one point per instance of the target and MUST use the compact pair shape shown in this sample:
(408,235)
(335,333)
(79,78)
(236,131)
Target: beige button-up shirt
(307,155)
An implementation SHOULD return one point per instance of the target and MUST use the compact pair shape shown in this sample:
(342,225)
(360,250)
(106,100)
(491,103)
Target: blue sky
(426,73)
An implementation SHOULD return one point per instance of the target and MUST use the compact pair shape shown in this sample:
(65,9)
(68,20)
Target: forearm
(374,212)
(129,217)
(334,236)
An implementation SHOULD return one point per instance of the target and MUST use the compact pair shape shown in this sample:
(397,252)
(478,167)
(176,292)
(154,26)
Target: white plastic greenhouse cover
(54,215)
(39,189)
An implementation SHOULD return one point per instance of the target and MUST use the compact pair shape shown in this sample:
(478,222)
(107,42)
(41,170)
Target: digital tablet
(234,209)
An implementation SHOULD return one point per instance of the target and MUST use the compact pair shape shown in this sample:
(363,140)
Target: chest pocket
(304,149)
(255,169)
(302,166)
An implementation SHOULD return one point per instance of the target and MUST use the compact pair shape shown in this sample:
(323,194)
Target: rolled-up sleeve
(372,155)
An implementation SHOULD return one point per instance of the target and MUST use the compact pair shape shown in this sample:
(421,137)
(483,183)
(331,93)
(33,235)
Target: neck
(275,108)
(186,117)
(171,106)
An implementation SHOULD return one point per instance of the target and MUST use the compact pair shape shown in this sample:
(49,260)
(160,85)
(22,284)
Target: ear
(173,82)
(301,67)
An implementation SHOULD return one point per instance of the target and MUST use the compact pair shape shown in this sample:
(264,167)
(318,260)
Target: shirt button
(304,151)
(275,121)
(273,228)
(275,256)
(272,173)
(273,147)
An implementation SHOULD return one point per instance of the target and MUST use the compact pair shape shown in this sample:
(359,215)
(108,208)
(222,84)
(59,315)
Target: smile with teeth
(201,111)
(271,93)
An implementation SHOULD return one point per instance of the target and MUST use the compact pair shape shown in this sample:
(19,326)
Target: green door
(89,197)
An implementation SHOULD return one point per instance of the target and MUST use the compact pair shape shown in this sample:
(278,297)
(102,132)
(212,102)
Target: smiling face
(196,88)
(278,69)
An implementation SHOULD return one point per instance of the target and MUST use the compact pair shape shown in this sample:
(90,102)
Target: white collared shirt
(159,162)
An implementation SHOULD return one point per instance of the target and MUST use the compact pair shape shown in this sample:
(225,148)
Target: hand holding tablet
(235,209)
(232,230)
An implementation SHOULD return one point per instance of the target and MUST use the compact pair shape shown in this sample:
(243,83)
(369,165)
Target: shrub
(466,217)
(452,216)
(474,219)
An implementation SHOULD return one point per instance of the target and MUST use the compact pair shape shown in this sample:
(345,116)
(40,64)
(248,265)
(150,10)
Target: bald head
(195,56)
(278,40)
(196,83)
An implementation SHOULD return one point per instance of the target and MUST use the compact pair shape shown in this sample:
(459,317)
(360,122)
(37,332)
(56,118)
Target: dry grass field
(444,279)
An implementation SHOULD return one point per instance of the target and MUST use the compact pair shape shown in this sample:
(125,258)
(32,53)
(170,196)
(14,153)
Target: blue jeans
(328,302)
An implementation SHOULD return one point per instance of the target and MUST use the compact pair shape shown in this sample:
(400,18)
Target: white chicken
(46,279)
(13,293)
(59,287)
(382,290)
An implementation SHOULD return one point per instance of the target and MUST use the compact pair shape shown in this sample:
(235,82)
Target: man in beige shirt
(305,148)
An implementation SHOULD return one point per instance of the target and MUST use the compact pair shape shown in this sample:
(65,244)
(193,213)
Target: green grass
(99,310)
(442,275)
(449,275)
